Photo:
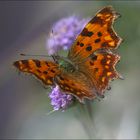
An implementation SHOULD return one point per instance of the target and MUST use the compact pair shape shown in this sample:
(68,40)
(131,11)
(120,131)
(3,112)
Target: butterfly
(90,65)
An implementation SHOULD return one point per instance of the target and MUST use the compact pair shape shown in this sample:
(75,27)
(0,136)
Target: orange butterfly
(90,64)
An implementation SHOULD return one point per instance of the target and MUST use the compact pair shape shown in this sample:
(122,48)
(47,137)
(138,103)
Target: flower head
(60,100)
(64,34)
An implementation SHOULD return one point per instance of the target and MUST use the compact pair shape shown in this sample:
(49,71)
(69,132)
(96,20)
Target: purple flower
(60,100)
(63,36)
(64,33)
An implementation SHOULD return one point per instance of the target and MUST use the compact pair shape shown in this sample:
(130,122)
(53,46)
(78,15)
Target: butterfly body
(90,64)
(66,65)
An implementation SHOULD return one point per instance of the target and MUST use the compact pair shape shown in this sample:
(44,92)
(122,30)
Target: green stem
(85,115)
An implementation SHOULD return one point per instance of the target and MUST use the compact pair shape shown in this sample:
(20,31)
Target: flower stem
(85,115)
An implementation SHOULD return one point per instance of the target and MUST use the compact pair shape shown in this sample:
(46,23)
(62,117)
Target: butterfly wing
(76,84)
(97,34)
(43,70)
(92,50)
(48,72)
(100,68)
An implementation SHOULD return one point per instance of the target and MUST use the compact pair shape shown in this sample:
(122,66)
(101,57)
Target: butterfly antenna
(22,54)
(53,36)
(54,56)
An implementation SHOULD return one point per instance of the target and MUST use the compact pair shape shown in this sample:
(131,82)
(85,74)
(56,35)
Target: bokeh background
(24,102)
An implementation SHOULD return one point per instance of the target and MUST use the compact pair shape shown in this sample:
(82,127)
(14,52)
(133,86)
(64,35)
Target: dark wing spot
(78,43)
(61,78)
(103,61)
(113,35)
(104,44)
(37,62)
(72,84)
(38,71)
(90,34)
(52,71)
(25,62)
(94,57)
(84,32)
(45,72)
(97,20)
(97,40)
(99,34)
(81,44)
(107,10)
(96,70)
(89,48)
(91,63)
(47,64)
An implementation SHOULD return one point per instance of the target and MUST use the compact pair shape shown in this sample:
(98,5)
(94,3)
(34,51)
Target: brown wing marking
(43,70)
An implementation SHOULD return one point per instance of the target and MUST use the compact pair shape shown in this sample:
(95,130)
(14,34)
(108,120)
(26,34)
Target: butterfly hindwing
(43,70)
(100,68)
(97,34)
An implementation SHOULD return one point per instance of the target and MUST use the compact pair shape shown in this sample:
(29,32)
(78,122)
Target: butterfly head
(64,63)
(66,66)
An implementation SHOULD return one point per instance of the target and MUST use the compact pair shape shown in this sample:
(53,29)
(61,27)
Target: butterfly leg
(108,88)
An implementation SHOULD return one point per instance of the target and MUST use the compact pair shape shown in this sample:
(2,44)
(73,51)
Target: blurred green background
(24,103)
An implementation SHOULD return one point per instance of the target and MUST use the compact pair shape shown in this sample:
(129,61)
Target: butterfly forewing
(43,70)
(92,49)
(97,34)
